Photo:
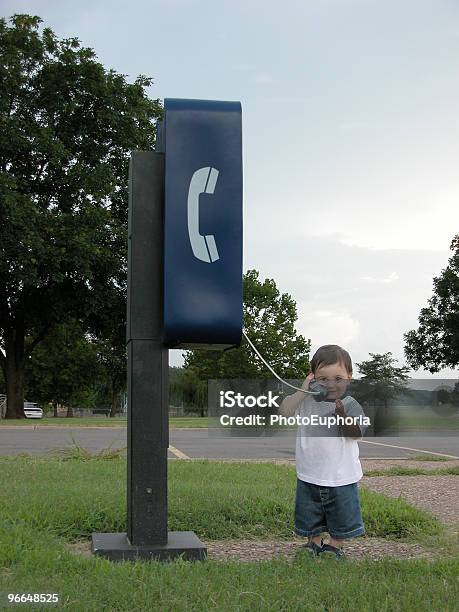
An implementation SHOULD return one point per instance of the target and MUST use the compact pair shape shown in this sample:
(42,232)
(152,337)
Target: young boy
(327,458)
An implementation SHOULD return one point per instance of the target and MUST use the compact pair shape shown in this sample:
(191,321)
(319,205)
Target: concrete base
(116,547)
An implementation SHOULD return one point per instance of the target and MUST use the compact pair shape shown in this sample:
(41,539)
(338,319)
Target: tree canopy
(63,368)
(435,343)
(382,368)
(382,380)
(67,126)
(269,321)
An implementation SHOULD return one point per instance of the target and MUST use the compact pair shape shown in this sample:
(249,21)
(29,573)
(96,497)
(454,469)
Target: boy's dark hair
(330,354)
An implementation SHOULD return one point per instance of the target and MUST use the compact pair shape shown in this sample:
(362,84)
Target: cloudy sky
(351,139)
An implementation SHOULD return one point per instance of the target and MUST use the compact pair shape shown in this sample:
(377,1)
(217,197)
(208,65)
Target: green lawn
(193,422)
(400,470)
(426,457)
(215,499)
(47,503)
(427,422)
(407,419)
(174,422)
(39,563)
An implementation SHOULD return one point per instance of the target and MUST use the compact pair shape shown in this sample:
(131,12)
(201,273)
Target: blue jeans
(335,510)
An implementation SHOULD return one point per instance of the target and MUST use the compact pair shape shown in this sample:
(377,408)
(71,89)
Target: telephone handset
(204,247)
(320,390)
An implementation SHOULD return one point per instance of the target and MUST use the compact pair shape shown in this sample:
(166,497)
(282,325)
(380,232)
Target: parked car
(32,410)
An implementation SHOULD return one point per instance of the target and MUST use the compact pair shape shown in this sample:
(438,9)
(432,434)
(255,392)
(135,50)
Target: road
(196,443)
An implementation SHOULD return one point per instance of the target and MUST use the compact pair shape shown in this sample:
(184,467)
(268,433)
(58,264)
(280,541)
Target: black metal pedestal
(147,536)
(116,547)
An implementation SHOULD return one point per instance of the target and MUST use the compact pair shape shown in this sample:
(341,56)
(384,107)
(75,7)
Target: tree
(186,390)
(76,368)
(112,359)
(269,321)
(64,368)
(67,127)
(381,382)
(435,344)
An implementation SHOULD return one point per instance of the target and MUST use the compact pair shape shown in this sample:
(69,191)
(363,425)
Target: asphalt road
(198,443)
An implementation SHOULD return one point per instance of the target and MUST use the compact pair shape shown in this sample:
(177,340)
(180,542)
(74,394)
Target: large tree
(381,382)
(64,369)
(67,127)
(435,344)
(73,368)
(110,344)
(269,320)
(187,390)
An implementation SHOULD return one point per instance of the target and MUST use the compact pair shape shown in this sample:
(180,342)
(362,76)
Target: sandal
(337,552)
(313,548)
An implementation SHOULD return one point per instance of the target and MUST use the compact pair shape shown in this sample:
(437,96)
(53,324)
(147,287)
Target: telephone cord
(273,372)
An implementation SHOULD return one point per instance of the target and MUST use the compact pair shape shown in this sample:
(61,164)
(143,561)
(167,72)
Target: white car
(32,410)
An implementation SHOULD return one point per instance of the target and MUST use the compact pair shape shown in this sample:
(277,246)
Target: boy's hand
(307,380)
(291,403)
(339,409)
(351,431)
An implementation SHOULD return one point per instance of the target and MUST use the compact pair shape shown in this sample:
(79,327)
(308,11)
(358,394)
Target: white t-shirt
(330,461)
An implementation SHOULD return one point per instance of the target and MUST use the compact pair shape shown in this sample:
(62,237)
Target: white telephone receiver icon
(202,181)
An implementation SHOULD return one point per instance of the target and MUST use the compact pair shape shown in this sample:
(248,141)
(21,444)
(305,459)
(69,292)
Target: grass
(174,422)
(409,417)
(406,420)
(39,563)
(47,503)
(194,422)
(78,452)
(399,470)
(42,565)
(74,497)
(96,421)
(430,458)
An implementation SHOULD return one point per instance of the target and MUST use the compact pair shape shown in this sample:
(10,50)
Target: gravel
(436,494)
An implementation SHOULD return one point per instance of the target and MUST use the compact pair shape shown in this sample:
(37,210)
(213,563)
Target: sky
(350,138)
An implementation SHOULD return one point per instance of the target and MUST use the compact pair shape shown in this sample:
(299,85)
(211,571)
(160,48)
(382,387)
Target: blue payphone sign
(202,143)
